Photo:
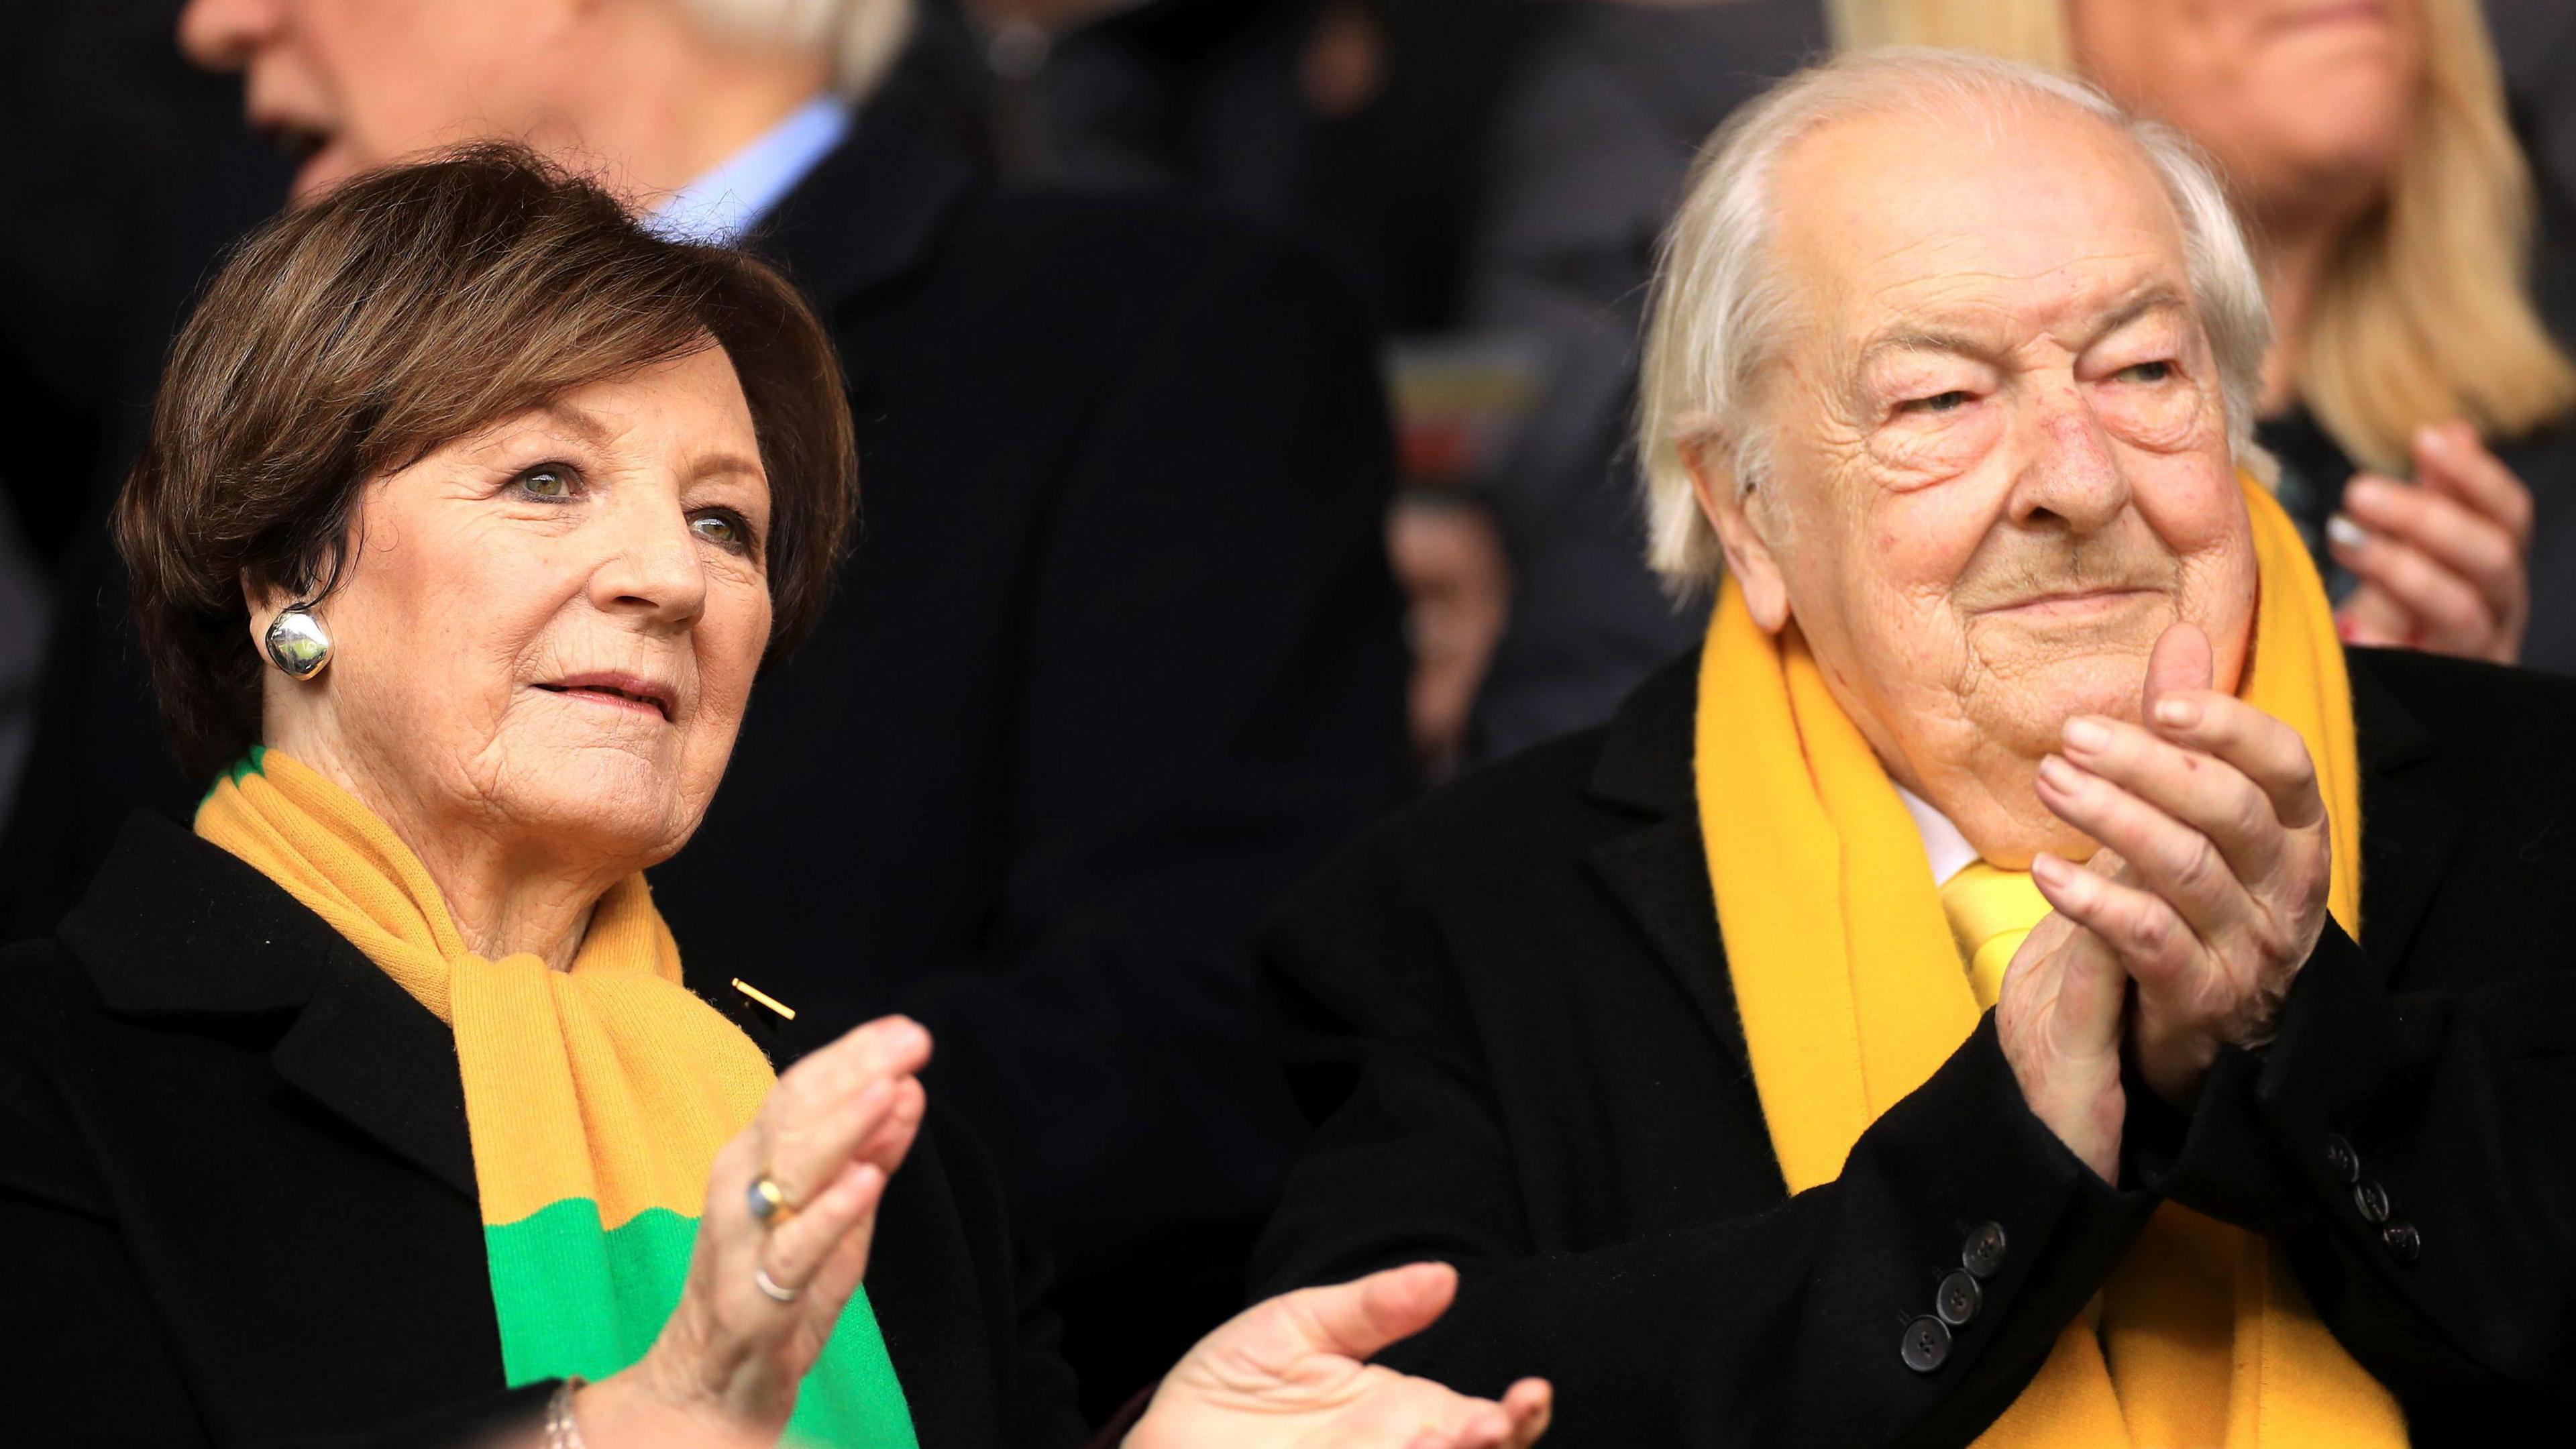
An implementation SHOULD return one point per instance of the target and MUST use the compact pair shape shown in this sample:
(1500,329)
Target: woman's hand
(728,1363)
(1291,1371)
(2442,564)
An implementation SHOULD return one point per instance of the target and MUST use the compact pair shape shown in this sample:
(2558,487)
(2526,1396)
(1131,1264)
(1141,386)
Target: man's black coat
(1509,1010)
(1115,662)
(239,1198)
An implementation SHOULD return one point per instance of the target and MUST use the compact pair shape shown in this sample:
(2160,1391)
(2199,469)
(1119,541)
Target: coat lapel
(178,926)
(1658,872)
(2409,826)
(868,214)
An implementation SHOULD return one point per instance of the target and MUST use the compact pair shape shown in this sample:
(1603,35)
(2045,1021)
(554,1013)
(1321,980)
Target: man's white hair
(862,37)
(1719,305)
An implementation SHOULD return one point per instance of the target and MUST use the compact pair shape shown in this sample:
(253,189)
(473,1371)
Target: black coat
(238,1197)
(1116,661)
(1509,1010)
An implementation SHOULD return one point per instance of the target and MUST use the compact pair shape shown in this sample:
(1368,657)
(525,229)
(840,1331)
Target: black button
(1927,1344)
(1984,1253)
(2402,1240)
(2371,1199)
(2342,1161)
(1958,1300)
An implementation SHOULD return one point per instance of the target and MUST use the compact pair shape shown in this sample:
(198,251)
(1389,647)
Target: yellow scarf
(595,1098)
(1852,992)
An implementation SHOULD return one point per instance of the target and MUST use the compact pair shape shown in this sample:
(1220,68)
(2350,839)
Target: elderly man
(1734,1051)
(1116,660)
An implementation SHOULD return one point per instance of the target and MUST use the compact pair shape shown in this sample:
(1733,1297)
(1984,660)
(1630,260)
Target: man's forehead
(2023,212)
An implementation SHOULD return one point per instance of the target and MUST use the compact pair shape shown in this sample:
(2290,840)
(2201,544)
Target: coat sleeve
(88,1362)
(1782,1328)
(2411,1151)
(1211,700)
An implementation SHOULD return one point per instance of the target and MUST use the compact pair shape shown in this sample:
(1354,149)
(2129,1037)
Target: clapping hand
(2442,565)
(2213,807)
(728,1364)
(1292,1371)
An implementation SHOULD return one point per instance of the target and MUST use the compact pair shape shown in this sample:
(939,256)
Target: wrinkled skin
(1995,486)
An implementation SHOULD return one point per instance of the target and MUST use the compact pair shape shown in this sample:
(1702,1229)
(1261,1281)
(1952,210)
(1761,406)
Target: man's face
(1997,440)
(350,84)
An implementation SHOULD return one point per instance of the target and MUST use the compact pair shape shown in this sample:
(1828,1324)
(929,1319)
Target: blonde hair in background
(1717,306)
(862,37)
(2424,312)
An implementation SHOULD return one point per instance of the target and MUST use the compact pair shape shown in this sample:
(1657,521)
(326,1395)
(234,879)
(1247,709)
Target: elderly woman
(2367,147)
(1770,1062)
(380,1108)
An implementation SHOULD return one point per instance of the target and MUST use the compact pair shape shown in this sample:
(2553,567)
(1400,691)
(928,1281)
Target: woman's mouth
(616,691)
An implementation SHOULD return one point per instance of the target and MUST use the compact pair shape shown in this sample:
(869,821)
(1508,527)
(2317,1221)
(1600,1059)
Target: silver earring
(297,643)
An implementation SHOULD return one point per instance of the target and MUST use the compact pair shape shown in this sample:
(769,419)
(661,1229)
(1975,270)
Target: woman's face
(2304,103)
(545,632)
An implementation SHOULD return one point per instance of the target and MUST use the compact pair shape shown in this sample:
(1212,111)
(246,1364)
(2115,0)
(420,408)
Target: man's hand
(2213,806)
(1293,1371)
(2058,1019)
(2443,565)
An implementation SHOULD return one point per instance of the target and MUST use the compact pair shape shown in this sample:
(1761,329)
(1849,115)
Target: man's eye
(2156,371)
(722,528)
(1939,402)
(549,482)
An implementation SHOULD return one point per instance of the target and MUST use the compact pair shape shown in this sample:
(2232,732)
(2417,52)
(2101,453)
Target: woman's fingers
(2478,549)
(2451,615)
(1531,1403)
(839,1222)
(826,1106)
(2453,459)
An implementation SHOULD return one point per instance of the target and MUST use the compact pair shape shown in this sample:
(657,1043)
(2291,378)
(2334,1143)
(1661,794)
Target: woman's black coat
(237,1198)
(1510,1011)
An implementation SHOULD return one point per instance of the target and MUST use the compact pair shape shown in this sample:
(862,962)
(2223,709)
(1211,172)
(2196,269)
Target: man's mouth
(2073,603)
(621,691)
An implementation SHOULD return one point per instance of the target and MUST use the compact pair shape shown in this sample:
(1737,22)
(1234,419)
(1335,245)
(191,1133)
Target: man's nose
(653,567)
(221,34)
(2071,477)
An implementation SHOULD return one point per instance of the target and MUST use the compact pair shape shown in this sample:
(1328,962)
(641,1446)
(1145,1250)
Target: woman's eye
(722,528)
(1939,402)
(2156,371)
(548,482)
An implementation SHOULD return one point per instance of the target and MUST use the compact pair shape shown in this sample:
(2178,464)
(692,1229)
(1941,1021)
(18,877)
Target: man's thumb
(2181,662)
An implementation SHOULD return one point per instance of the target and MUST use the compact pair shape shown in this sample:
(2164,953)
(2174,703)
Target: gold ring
(768,1202)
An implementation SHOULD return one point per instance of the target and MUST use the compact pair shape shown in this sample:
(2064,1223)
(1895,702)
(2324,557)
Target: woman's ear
(1729,505)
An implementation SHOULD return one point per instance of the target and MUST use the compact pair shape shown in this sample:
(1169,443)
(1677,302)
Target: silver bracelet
(563,1431)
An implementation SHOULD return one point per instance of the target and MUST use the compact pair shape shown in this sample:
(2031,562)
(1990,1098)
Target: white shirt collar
(1943,845)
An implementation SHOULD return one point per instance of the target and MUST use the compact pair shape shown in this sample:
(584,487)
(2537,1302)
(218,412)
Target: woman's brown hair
(404,310)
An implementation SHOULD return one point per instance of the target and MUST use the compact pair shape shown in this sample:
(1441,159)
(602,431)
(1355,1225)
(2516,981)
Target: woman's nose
(220,35)
(654,567)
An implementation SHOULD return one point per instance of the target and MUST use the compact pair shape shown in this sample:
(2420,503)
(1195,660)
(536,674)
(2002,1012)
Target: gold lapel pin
(785,1011)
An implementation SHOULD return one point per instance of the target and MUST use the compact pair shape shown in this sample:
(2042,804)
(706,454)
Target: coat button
(1984,1253)
(2404,1243)
(2342,1161)
(1958,1300)
(2371,1200)
(1927,1344)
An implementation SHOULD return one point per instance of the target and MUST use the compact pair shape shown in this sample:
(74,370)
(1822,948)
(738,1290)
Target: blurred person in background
(379,1105)
(2413,397)
(1116,659)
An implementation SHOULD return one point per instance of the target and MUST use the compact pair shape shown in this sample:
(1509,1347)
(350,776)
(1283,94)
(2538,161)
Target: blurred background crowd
(1391,255)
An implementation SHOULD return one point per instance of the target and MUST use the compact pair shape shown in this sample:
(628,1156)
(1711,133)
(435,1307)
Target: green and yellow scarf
(595,1098)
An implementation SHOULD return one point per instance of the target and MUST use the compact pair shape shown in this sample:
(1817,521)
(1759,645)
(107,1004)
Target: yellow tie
(1991,911)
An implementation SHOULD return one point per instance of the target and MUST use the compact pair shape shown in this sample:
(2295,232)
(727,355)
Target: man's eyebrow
(2154,297)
